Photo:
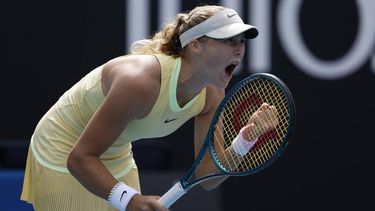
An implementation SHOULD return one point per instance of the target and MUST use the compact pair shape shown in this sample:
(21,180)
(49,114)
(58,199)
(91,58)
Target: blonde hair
(167,40)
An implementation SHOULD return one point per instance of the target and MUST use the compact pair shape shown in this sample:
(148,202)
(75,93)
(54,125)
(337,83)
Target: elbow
(206,187)
(213,183)
(79,162)
(72,162)
(209,185)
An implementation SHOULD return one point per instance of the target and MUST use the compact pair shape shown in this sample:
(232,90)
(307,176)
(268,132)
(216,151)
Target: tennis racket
(233,113)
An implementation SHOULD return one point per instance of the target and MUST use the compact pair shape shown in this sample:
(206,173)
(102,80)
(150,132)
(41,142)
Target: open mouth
(230,69)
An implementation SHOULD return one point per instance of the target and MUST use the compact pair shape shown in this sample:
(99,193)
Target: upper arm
(131,92)
(202,122)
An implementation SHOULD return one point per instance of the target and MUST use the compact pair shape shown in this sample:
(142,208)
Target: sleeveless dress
(48,185)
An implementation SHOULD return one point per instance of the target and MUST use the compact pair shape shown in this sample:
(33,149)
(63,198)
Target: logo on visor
(231,15)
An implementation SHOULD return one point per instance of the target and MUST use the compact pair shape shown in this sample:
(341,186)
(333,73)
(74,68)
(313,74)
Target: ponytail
(167,41)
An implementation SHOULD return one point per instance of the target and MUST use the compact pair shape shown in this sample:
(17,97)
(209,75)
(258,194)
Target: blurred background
(323,50)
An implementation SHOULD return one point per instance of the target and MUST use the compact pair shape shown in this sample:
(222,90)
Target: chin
(223,84)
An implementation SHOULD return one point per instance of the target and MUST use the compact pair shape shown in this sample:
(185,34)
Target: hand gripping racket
(233,113)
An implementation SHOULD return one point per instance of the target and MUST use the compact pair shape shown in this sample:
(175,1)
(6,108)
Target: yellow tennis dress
(48,185)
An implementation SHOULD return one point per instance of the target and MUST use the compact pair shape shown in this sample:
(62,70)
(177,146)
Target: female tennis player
(80,154)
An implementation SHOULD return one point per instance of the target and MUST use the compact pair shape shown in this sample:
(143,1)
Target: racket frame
(184,183)
(292,122)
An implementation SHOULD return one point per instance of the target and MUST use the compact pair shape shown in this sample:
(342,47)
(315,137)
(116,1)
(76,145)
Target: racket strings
(229,161)
(236,114)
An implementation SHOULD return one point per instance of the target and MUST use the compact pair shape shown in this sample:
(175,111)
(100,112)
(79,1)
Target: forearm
(92,174)
(95,177)
(207,167)
(228,158)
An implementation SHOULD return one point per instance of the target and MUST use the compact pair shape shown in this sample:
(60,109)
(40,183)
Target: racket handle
(172,195)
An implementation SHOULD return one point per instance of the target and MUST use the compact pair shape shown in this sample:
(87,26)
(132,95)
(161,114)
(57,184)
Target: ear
(195,46)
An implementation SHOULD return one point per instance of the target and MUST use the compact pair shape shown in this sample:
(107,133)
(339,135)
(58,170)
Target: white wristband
(240,146)
(121,195)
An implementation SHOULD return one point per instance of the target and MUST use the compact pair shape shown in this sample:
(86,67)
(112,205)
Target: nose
(239,50)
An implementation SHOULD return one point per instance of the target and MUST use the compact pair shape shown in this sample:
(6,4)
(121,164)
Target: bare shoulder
(135,78)
(134,69)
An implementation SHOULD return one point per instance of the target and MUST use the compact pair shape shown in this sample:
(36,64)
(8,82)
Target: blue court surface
(10,191)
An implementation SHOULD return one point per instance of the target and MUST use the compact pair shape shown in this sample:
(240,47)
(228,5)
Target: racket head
(233,113)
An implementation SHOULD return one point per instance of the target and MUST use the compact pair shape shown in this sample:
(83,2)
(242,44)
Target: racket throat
(170,197)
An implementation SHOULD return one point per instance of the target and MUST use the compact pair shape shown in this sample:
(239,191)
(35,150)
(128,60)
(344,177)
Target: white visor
(223,24)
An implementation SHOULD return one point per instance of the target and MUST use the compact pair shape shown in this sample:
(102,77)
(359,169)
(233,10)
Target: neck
(190,83)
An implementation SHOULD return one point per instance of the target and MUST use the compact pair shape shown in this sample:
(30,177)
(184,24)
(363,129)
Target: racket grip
(172,195)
